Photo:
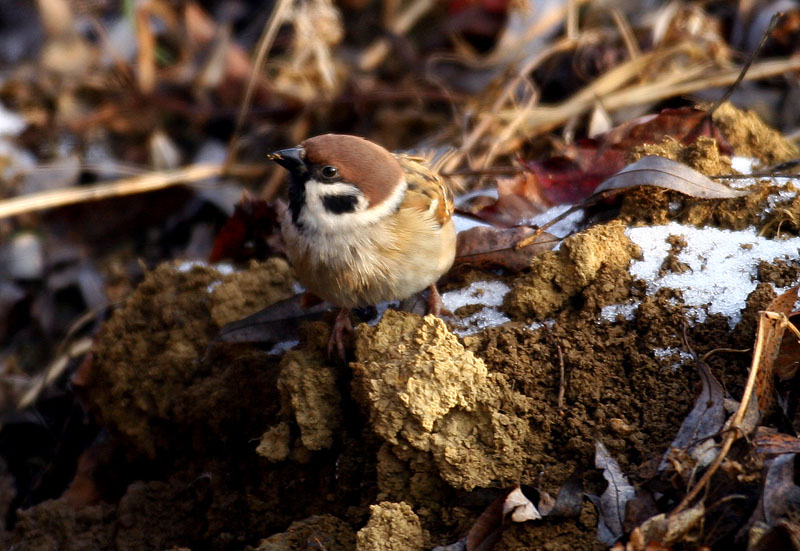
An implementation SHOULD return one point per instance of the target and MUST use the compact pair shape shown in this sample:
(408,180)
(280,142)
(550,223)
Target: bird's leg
(435,304)
(340,326)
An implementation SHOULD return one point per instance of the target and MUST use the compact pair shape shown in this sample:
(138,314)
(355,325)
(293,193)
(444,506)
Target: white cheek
(316,217)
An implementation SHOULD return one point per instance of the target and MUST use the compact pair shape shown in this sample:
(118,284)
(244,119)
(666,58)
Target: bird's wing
(427,191)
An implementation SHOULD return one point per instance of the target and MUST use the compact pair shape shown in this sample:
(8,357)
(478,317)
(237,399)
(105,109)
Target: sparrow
(364,225)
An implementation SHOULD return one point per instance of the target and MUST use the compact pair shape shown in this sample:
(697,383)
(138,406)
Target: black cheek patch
(340,204)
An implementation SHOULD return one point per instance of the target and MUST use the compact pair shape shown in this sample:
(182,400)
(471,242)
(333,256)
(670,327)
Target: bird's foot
(341,326)
(435,304)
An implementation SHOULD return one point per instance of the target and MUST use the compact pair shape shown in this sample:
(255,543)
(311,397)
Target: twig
(562,382)
(710,353)
(746,67)
(126,186)
(753,175)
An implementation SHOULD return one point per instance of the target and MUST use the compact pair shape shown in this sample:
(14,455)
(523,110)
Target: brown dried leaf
(769,442)
(276,323)
(511,505)
(771,326)
(489,247)
(670,529)
(703,422)
(668,174)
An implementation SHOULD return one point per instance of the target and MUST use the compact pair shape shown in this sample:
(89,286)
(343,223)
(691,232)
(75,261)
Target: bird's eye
(329,172)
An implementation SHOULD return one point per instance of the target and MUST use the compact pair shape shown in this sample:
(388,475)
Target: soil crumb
(750,137)
(558,276)
(317,532)
(149,363)
(391,527)
(424,390)
(310,394)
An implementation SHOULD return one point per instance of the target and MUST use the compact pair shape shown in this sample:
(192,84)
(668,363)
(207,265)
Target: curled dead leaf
(489,247)
(611,504)
(701,424)
(665,173)
(511,505)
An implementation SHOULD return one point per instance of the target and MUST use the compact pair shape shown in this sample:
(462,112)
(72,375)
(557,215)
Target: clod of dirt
(275,443)
(317,532)
(248,291)
(425,391)
(308,391)
(151,373)
(558,276)
(702,155)
(51,524)
(750,137)
(391,527)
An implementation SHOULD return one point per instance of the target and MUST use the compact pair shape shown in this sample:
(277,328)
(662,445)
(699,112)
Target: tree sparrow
(364,225)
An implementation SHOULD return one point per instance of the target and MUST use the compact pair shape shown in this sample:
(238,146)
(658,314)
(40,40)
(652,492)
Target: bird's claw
(341,326)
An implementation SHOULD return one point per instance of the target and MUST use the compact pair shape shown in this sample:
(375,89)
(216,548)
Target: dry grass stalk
(128,186)
(678,82)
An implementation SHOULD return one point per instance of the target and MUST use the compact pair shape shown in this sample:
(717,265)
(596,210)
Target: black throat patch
(297,196)
(340,204)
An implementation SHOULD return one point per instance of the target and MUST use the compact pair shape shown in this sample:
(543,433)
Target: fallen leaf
(489,247)
(652,170)
(769,442)
(570,179)
(250,232)
(702,423)
(573,175)
(668,530)
(611,504)
(771,326)
(519,507)
(569,501)
(781,497)
(788,360)
(277,322)
(511,505)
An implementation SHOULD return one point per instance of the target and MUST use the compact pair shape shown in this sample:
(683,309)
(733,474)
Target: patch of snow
(564,227)
(740,183)
(676,356)
(743,165)
(464,223)
(188,265)
(783,196)
(490,294)
(612,311)
(722,265)
(213,285)
(536,325)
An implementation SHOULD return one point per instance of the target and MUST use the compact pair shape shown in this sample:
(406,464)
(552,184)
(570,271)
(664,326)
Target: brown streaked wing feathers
(424,187)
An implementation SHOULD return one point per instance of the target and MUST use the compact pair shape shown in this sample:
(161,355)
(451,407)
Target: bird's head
(339,181)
